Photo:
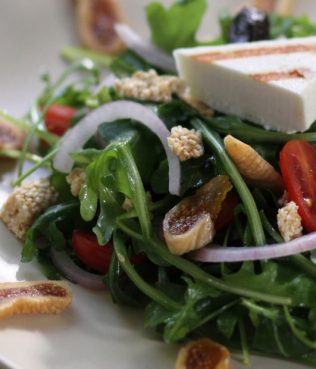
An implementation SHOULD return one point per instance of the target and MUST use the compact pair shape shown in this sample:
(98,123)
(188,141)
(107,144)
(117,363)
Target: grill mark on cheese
(278,76)
(212,57)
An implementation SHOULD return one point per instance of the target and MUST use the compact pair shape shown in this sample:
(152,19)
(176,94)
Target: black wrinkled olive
(250,24)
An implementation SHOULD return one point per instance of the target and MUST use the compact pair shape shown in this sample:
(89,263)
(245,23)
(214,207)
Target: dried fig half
(190,224)
(96,19)
(11,136)
(203,354)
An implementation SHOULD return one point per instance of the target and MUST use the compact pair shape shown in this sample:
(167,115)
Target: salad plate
(93,333)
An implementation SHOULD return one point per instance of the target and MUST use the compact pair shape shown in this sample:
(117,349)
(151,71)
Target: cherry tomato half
(298,167)
(90,252)
(58,118)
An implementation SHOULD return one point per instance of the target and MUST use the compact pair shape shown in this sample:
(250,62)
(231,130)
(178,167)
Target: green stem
(72,54)
(269,228)
(152,206)
(244,342)
(82,65)
(300,335)
(136,186)
(270,313)
(15,154)
(154,294)
(215,143)
(216,313)
(248,133)
(40,164)
(136,236)
(304,264)
(194,271)
(48,137)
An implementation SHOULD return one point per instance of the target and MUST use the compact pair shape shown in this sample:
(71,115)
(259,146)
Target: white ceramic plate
(93,333)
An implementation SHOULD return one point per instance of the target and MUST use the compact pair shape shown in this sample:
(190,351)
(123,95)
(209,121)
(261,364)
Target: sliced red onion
(76,137)
(239,254)
(144,48)
(74,273)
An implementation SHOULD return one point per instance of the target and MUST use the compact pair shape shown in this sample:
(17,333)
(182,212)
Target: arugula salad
(149,202)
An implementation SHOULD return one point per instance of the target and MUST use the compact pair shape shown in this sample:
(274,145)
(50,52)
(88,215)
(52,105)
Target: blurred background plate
(94,333)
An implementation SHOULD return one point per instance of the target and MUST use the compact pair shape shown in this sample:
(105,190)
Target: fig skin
(95,22)
(200,232)
(203,354)
(11,136)
(189,225)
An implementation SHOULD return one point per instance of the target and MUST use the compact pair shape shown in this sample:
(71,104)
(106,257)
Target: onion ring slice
(76,137)
(239,254)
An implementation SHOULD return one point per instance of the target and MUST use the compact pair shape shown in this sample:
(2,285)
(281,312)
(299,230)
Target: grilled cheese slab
(271,83)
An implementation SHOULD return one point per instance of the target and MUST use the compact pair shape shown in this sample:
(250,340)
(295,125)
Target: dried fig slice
(11,136)
(267,6)
(96,19)
(203,354)
(39,297)
(190,224)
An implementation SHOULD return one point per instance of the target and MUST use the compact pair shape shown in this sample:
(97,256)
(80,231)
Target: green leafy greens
(176,26)
(267,307)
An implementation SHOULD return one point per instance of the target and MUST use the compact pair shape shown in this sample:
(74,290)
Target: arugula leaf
(114,172)
(121,292)
(291,26)
(277,278)
(58,181)
(178,324)
(194,173)
(249,132)
(85,156)
(145,156)
(225,22)
(176,112)
(227,322)
(109,211)
(128,63)
(47,227)
(57,91)
(97,195)
(177,26)
(48,269)
(88,202)
(73,54)
(275,337)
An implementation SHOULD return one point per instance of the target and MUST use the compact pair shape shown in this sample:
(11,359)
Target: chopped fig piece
(203,354)
(40,297)
(96,19)
(11,137)
(190,224)
(198,232)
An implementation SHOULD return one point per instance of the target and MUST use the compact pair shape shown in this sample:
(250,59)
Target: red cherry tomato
(226,214)
(58,118)
(90,252)
(298,167)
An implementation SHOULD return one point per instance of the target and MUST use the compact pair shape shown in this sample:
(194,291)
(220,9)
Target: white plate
(93,333)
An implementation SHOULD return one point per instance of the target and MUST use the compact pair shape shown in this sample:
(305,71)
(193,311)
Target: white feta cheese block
(271,83)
